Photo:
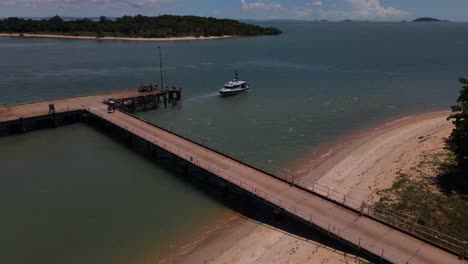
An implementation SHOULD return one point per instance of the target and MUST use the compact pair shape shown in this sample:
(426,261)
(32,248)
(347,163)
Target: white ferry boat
(234,87)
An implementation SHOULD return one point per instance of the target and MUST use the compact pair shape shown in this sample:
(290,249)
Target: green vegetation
(416,196)
(458,140)
(136,26)
(434,194)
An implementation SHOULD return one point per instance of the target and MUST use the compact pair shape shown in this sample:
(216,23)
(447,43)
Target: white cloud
(312,9)
(307,10)
(357,10)
(372,9)
(315,4)
(259,5)
(9,3)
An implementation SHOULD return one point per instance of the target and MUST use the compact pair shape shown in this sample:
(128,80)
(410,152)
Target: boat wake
(203,96)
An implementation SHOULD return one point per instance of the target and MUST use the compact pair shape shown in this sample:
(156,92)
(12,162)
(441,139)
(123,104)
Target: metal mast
(160,68)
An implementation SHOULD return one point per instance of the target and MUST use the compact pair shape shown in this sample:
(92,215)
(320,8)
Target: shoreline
(368,160)
(329,149)
(58,36)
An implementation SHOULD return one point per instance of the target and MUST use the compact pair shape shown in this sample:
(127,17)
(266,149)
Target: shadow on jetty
(223,192)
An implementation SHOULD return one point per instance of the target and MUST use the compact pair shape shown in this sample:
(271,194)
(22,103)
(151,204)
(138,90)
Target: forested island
(428,19)
(165,26)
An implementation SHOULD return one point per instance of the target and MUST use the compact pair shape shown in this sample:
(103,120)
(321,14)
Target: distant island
(428,19)
(129,27)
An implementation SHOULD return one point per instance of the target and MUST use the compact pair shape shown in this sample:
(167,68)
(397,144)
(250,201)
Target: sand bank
(110,38)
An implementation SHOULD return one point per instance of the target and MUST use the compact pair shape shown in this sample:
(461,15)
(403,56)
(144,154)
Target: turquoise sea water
(310,86)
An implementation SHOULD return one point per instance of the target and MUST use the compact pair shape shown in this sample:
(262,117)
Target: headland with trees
(165,26)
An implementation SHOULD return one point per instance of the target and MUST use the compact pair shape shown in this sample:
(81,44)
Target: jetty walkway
(350,226)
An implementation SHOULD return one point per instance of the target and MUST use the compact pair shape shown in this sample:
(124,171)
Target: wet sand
(53,36)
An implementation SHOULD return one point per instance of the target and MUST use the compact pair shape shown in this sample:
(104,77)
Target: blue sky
(379,10)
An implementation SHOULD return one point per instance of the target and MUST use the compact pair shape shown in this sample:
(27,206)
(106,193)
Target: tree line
(137,26)
(458,140)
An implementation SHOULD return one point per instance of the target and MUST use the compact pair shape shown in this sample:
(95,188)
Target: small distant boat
(234,87)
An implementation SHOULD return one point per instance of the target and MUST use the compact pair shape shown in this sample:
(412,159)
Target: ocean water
(309,87)
(73,195)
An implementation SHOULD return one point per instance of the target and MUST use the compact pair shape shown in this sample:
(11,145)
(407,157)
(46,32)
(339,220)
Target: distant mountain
(428,19)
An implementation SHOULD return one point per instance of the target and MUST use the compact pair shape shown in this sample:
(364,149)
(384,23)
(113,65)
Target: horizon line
(246,19)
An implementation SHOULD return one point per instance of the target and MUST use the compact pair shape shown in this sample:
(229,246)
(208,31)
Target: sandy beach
(110,38)
(360,165)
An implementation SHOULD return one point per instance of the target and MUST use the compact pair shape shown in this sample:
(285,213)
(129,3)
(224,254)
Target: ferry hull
(231,93)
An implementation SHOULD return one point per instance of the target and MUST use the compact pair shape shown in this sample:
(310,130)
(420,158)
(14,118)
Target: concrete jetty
(381,241)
